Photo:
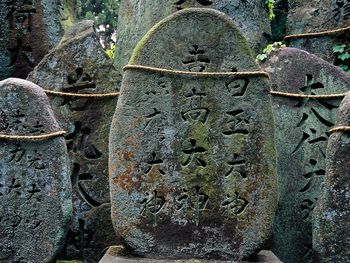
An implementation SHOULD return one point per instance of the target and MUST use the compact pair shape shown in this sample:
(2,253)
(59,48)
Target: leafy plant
(342,56)
(270,6)
(105,15)
(111,51)
(268,49)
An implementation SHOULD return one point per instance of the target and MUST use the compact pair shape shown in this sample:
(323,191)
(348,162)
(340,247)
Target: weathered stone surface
(331,229)
(80,65)
(301,136)
(116,254)
(316,16)
(29,29)
(137,17)
(192,159)
(35,189)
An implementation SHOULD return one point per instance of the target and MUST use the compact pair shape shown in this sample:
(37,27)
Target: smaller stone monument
(35,188)
(314,16)
(83,90)
(29,29)
(331,225)
(306,92)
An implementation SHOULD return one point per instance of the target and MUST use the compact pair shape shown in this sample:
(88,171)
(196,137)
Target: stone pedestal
(116,254)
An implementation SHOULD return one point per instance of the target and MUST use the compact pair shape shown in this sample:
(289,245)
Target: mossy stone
(35,188)
(331,221)
(29,29)
(79,65)
(192,159)
(317,16)
(302,126)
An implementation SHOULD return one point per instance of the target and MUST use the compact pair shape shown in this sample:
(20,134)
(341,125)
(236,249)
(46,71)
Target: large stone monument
(302,123)
(192,158)
(79,65)
(35,188)
(29,29)
(331,239)
(137,17)
(317,16)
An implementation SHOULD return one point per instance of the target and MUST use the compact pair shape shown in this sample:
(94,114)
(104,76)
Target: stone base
(116,254)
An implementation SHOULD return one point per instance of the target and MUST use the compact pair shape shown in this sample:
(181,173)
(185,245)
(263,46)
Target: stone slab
(302,127)
(79,65)
(316,16)
(29,29)
(115,255)
(331,221)
(192,159)
(35,188)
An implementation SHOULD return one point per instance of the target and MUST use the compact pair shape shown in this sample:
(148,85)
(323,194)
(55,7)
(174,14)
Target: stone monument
(79,66)
(29,29)
(192,157)
(331,239)
(302,123)
(35,188)
(317,16)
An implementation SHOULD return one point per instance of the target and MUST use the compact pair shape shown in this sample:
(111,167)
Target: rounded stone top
(199,33)
(25,109)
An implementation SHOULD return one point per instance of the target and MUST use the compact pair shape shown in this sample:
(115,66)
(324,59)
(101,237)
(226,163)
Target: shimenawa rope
(340,129)
(198,74)
(41,137)
(82,95)
(318,34)
(311,96)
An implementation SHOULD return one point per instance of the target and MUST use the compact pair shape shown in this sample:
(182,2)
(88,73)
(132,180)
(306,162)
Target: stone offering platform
(116,254)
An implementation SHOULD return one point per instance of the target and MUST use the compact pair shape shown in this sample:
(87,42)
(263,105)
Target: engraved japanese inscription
(304,123)
(80,66)
(183,149)
(35,190)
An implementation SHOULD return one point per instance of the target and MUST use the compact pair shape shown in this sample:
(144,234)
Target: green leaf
(344,56)
(261,57)
(339,48)
(344,67)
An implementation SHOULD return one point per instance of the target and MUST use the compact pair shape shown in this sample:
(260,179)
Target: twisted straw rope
(82,95)
(42,137)
(198,74)
(318,34)
(318,96)
(340,129)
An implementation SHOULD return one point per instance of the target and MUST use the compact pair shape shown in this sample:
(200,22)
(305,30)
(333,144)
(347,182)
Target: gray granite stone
(29,29)
(117,255)
(137,17)
(301,138)
(79,65)
(331,229)
(316,16)
(192,159)
(35,189)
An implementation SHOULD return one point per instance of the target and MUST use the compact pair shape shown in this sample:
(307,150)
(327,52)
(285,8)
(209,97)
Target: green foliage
(268,49)
(270,6)
(342,56)
(111,51)
(104,13)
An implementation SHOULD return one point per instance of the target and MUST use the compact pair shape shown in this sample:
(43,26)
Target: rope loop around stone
(198,74)
(340,129)
(81,95)
(317,34)
(307,96)
(31,138)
